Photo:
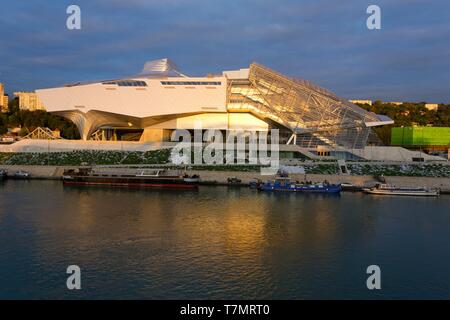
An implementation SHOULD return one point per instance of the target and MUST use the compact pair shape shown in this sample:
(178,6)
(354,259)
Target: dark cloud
(321,40)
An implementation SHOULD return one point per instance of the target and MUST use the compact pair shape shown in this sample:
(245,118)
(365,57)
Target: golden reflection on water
(213,243)
(243,234)
(86,215)
(324,223)
(213,221)
(231,236)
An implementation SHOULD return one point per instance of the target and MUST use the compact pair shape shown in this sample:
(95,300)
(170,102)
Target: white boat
(193,179)
(386,189)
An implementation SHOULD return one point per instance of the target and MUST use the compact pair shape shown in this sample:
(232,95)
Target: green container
(420,136)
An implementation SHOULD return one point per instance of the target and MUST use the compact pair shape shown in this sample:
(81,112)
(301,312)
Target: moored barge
(284,184)
(155,178)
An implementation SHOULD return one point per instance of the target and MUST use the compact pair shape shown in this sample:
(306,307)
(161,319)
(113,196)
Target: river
(219,243)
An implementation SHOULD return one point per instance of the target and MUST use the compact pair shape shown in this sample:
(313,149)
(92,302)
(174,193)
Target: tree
(33,119)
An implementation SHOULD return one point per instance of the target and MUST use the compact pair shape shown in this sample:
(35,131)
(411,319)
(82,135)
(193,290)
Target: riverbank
(401,181)
(221,177)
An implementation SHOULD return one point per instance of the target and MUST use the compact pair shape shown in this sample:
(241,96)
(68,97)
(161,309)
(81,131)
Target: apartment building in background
(4,99)
(29,101)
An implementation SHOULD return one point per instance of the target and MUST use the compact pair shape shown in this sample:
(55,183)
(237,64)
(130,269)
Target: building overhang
(383,120)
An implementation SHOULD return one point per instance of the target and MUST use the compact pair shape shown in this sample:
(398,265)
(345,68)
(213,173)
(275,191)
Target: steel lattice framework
(41,134)
(315,115)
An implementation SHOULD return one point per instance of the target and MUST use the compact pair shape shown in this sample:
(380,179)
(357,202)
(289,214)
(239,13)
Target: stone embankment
(55,172)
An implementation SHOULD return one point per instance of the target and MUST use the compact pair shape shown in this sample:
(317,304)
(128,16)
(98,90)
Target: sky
(323,41)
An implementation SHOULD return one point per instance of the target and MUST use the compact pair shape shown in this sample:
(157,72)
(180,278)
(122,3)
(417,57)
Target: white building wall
(219,121)
(153,100)
(237,74)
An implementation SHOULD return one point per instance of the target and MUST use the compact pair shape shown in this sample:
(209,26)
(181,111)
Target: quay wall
(55,172)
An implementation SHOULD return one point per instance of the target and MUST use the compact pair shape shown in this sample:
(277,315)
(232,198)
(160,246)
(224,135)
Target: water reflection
(212,243)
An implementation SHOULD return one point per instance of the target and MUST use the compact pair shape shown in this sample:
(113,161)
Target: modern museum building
(149,106)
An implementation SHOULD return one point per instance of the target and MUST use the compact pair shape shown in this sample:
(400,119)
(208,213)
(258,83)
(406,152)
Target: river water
(219,243)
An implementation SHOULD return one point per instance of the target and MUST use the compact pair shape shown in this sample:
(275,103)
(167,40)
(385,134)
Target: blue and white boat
(285,185)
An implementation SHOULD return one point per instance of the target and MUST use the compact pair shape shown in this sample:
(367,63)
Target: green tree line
(30,120)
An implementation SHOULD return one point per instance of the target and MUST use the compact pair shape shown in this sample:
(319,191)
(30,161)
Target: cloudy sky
(324,41)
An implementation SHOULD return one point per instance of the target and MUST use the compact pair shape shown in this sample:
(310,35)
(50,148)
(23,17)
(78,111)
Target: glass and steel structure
(313,115)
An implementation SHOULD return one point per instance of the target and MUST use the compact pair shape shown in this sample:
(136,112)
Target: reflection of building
(4,99)
(161,99)
(29,101)
(369,102)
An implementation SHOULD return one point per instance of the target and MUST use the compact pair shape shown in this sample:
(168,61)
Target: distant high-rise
(4,99)
(5,107)
(29,101)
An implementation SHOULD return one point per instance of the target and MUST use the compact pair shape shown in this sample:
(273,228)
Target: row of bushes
(411,170)
(434,170)
(162,156)
(86,157)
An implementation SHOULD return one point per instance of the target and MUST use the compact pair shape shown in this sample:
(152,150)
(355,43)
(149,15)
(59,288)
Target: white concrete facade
(160,93)
(154,99)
